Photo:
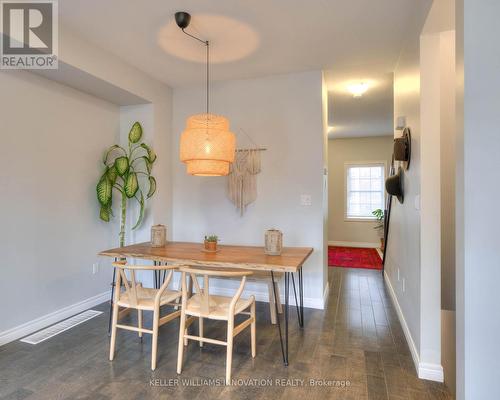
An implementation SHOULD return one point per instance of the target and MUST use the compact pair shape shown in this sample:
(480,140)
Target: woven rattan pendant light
(207,145)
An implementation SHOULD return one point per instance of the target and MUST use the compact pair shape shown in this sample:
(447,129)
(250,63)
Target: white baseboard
(406,330)
(354,244)
(431,372)
(257,289)
(309,302)
(50,319)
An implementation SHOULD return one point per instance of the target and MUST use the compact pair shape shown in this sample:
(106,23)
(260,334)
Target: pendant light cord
(208,75)
(207,44)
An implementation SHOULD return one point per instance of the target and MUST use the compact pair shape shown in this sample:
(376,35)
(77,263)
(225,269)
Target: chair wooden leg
(229,354)
(116,310)
(272,309)
(185,338)
(253,329)
(139,319)
(156,318)
(178,299)
(200,330)
(280,307)
(180,351)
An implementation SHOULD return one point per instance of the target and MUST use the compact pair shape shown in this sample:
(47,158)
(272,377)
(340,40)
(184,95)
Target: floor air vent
(60,327)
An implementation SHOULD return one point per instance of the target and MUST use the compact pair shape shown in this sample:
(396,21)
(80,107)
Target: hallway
(367,341)
(357,339)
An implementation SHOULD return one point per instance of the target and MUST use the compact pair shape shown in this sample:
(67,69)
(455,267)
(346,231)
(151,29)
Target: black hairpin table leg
(300,303)
(155,276)
(301,290)
(158,277)
(287,290)
(278,323)
(283,338)
(299,317)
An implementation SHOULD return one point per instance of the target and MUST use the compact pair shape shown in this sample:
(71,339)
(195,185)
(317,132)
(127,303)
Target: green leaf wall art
(127,172)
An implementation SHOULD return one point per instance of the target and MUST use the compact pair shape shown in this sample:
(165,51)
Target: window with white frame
(364,189)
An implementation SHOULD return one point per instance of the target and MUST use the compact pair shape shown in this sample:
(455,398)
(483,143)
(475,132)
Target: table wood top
(245,257)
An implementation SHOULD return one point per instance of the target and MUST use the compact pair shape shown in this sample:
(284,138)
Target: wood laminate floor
(357,339)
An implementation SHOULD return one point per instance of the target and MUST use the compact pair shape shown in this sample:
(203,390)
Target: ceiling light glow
(357,89)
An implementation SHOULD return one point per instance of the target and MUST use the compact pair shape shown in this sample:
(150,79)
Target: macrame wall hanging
(242,178)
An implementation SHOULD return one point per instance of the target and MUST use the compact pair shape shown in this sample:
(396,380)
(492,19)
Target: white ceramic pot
(158,235)
(274,242)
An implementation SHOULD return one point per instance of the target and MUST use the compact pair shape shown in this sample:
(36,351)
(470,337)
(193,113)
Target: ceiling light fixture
(207,145)
(357,89)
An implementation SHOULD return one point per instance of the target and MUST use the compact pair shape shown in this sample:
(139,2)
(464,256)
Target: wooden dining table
(290,262)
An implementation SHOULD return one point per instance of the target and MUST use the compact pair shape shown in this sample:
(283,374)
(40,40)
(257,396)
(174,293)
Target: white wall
(61,223)
(437,61)
(448,160)
(462,389)
(326,156)
(420,95)
(52,144)
(448,171)
(478,165)
(342,151)
(102,65)
(403,245)
(430,217)
(284,114)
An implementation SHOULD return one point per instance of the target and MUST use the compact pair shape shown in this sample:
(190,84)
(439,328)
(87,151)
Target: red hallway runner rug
(353,257)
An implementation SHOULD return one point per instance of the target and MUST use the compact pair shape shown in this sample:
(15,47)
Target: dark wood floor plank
(356,339)
(373,364)
(376,388)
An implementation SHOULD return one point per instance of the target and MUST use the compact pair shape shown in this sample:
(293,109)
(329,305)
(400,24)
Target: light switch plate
(400,123)
(417,202)
(305,200)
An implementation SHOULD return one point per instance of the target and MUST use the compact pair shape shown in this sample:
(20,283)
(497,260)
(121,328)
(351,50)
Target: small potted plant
(379,215)
(211,242)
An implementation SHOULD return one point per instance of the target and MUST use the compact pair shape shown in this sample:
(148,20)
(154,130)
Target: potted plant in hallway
(379,215)
(129,173)
(211,243)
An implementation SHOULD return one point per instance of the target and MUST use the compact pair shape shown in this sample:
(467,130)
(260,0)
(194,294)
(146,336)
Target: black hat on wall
(394,185)
(402,148)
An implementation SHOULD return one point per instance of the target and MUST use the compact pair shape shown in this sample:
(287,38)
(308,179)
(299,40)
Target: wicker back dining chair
(260,277)
(204,305)
(135,296)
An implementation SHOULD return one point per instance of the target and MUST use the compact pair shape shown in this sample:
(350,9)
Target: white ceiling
(369,115)
(249,38)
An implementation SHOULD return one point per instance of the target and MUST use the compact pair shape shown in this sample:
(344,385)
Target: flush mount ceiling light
(207,145)
(357,89)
